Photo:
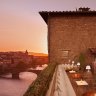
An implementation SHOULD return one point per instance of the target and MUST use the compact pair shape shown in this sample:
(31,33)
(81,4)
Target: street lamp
(78,64)
(88,68)
(73,62)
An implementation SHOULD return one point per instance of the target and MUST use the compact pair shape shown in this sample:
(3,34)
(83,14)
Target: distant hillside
(37,54)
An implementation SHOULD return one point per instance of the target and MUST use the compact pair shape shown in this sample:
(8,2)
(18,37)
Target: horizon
(21,26)
(29,52)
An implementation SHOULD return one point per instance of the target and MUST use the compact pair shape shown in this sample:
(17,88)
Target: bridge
(15,73)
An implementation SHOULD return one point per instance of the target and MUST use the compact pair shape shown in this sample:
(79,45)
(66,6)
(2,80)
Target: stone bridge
(15,72)
(15,75)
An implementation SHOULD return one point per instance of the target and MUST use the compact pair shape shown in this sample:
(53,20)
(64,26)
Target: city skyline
(21,26)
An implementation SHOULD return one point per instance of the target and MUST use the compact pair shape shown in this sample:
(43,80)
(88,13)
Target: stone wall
(69,36)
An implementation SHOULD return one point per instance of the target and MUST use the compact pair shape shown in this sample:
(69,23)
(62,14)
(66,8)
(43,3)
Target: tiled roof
(45,14)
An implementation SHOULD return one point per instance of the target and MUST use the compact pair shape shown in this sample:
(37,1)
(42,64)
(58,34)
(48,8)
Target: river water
(13,87)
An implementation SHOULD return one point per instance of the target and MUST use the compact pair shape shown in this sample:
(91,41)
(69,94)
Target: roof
(45,14)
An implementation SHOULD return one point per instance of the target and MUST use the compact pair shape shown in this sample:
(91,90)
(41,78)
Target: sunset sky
(21,26)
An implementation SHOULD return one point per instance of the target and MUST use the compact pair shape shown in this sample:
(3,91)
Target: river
(13,87)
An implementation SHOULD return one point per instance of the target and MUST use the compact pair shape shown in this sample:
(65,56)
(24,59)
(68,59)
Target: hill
(37,54)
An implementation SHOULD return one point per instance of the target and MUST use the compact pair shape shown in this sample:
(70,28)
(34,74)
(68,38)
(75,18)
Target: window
(64,53)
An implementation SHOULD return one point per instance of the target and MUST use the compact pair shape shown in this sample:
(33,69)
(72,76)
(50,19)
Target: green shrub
(82,60)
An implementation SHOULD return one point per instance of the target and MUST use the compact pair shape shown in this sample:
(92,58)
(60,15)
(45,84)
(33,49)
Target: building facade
(70,34)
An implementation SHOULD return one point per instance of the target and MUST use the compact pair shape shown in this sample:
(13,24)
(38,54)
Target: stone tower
(70,33)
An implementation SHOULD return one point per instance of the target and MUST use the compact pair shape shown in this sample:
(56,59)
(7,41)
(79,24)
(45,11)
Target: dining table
(83,83)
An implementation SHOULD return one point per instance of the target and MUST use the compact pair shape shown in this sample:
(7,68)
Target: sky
(21,26)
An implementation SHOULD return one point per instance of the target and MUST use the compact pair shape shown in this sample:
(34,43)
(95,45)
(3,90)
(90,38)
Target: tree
(21,66)
(81,59)
(33,64)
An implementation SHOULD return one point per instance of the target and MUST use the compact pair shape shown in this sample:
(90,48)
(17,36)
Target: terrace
(56,81)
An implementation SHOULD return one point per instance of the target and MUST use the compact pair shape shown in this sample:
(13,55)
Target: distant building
(13,58)
(40,60)
(26,52)
(70,33)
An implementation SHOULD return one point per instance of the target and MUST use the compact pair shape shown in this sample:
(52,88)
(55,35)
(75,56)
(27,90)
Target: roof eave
(44,15)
